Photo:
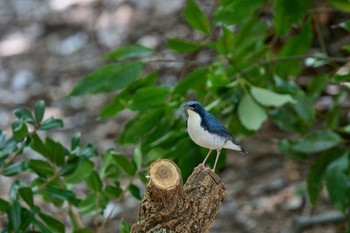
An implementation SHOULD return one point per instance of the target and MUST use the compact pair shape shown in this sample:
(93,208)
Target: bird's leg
(202,165)
(216,159)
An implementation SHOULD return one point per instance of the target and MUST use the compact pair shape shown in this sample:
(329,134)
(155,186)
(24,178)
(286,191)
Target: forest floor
(47,46)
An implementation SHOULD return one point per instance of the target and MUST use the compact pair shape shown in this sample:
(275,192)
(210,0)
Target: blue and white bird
(207,131)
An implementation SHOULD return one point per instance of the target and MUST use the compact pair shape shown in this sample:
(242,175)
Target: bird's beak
(188,107)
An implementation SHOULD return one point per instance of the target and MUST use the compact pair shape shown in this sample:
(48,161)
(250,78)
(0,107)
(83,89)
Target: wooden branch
(168,206)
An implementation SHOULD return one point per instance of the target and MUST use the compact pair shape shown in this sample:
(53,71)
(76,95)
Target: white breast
(204,138)
(200,136)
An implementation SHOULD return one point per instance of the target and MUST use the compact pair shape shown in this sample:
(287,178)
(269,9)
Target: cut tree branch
(168,206)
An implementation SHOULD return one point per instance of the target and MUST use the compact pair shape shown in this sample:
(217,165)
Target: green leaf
(70,166)
(285,119)
(124,226)
(140,125)
(52,223)
(338,182)
(129,51)
(41,167)
(217,76)
(41,226)
(125,164)
(55,151)
(317,85)
(295,46)
(342,5)
(109,167)
(226,42)
(94,182)
(39,110)
(113,192)
(19,129)
(19,217)
(4,205)
(195,17)
(304,108)
(249,43)
(93,204)
(120,101)
(316,173)
(37,145)
(149,97)
(269,98)
(135,191)
(334,115)
(250,113)
(137,156)
(89,151)
(88,205)
(51,123)
(182,46)
(82,172)
(61,193)
(24,115)
(15,214)
(75,142)
(286,147)
(341,78)
(7,147)
(230,12)
(317,141)
(300,43)
(108,78)
(192,81)
(15,168)
(287,13)
(26,194)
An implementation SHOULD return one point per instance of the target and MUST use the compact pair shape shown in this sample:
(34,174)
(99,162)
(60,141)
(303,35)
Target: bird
(208,132)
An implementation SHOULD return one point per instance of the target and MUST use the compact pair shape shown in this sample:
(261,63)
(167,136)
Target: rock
(112,26)
(15,43)
(294,202)
(72,44)
(4,77)
(149,41)
(22,79)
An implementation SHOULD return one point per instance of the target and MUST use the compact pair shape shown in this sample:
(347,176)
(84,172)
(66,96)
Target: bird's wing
(213,125)
(186,123)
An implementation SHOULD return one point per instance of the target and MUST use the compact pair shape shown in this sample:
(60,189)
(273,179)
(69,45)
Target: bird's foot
(202,166)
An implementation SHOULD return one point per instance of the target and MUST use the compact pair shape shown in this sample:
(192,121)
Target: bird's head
(194,106)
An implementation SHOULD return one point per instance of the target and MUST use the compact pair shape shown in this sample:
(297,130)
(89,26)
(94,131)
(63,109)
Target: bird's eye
(196,105)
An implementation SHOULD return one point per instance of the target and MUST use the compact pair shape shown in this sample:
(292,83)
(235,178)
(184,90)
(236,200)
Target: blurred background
(48,46)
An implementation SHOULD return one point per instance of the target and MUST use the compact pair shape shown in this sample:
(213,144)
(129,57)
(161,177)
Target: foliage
(250,73)
(54,174)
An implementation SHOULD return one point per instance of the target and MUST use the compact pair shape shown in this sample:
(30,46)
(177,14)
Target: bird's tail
(243,151)
(233,145)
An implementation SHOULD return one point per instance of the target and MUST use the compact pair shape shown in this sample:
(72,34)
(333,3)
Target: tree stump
(169,207)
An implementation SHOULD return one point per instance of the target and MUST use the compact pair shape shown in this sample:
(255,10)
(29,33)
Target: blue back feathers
(209,122)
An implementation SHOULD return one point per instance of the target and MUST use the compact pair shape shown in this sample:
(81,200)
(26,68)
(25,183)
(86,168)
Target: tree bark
(169,207)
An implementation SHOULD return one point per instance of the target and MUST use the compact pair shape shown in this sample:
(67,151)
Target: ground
(47,46)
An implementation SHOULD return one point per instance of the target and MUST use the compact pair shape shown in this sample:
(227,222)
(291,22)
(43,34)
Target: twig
(289,58)
(10,160)
(299,224)
(47,182)
(101,228)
